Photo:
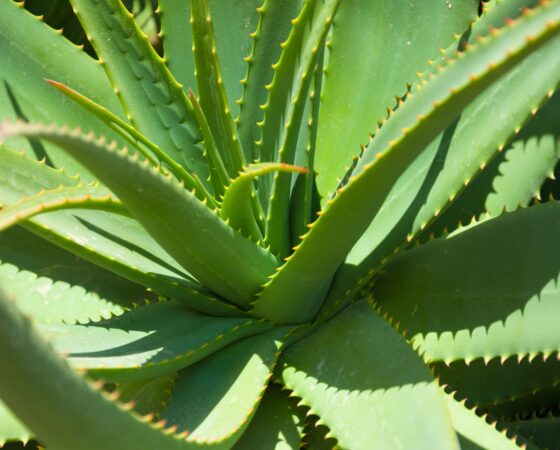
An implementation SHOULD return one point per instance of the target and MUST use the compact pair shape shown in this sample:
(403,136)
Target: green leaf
(184,226)
(155,103)
(60,420)
(513,179)
(311,195)
(58,15)
(284,111)
(236,204)
(177,40)
(475,434)
(24,94)
(483,382)
(395,146)
(273,28)
(149,396)
(11,429)
(47,301)
(276,425)
(233,20)
(137,140)
(347,373)
(482,292)
(218,174)
(538,402)
(145,16)
(423,187)
(376,49)
(150,341)
(211,91)
(40,273)
(515,176)
(543,431)
(100,237)
(214,400)
(65,197)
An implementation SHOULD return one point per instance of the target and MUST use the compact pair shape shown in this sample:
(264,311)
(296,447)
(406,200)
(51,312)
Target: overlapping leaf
(99,237)
(233,22)
(475,433)
(442,169)
(372,404)
(413,126)
(24,94)
(185,227)
(530,384)
(60,419)
(490,291)
(11,429)
(154,340)
(276,425)
(283,113)
(214,400)
(375,50)
(153,100)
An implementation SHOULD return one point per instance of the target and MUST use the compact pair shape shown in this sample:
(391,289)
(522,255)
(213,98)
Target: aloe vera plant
(309,223)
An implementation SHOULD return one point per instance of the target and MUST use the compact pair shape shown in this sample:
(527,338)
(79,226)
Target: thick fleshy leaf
(276,425)
(514,177)
(399,142)
(491,384)
(65,197)
(114,242)
(177,40)
(491,290)
(347,372)
(24,93)
(272,30)
(375,50)
(60,420)
(59,16)
(217,171)
(54,286)
(153,100)
(434,179)
(137,140)
(11,429)
(475,433)
(543,431)
(211,91)
(236,203)
(183,225)
(47,301)
(233,21)
(304,202)
(538,402)
(150,341)
(284,110)
(214,400)
(149,396)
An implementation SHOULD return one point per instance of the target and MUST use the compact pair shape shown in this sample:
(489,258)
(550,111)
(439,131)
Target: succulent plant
(353,254)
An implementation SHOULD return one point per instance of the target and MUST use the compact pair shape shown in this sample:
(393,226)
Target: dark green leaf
(150,341)
(215,399)
(155,103)
(482,292)
(376,49)
(349,374)
(183,225)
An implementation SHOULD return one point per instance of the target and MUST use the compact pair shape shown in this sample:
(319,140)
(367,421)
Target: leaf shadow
(477,282)
(36,145)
